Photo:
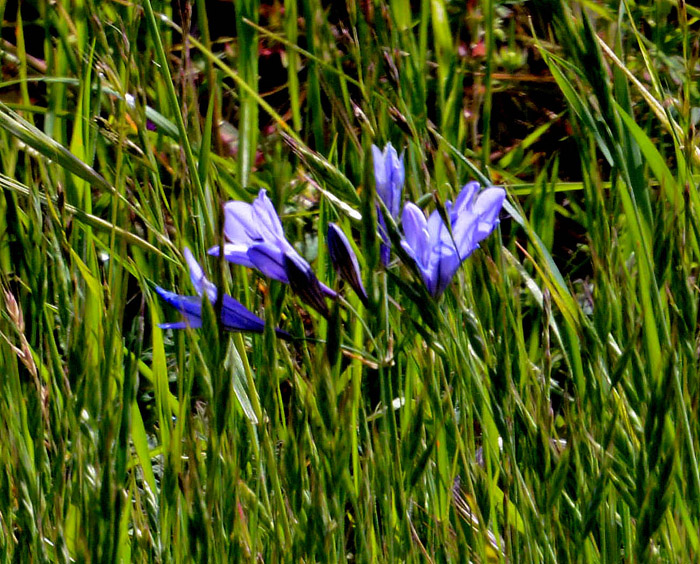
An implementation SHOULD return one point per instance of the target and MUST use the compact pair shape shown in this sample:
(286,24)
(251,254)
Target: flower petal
(465,200)
(345,261)
(240,225)
(436,227)
(464,230)
(385,245)
(189,306)
(269,224)
(328,292)
(235,253)
(395,164)
(389,175)
(236,317)
(444,266)
(304,283)
(269,260)
(381,180)
(416,234)
(487,207)
(199,281)
(194,323)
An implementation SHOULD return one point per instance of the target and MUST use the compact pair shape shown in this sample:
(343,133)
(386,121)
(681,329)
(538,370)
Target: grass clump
(542,409)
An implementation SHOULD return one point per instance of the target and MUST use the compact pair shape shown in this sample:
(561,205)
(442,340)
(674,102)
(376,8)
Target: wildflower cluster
(255,239)
(437,248)
(234,315)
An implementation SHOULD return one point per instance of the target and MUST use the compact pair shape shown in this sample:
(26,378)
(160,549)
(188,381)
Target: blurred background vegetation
(544,410)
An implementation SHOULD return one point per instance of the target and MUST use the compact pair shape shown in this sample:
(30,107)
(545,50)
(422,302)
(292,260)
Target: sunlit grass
(543,409)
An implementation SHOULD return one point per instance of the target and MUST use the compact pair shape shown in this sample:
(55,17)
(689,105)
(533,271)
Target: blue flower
(256,239)
(437,253)
(234,315)
(389,176)
(304,283)
(344,261)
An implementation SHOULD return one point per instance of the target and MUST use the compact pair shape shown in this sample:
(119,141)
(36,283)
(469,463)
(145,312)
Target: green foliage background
(544,410)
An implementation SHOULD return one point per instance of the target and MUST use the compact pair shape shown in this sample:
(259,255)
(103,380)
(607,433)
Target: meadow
(536,401)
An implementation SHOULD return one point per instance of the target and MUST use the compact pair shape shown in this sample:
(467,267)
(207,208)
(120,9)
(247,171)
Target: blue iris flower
(345,261)
(256,239)
(389,176)
(439,253)
(234,315)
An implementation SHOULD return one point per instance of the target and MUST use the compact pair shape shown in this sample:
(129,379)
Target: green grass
(543,410)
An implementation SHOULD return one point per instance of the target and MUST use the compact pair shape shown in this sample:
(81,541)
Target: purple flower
(304,283)
(199,281)
(234,315)
(437,253)
(389,175)
(344,261)
(256,239)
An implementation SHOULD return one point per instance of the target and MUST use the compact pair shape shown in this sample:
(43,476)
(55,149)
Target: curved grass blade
(91,220)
